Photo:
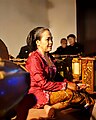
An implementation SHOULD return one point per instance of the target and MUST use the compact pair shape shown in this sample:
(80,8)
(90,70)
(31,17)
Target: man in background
(63,49)
(74,47)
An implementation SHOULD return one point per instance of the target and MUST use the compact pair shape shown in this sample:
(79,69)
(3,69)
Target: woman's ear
(38,42)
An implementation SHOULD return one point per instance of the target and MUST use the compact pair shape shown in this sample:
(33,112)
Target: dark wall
(86,24)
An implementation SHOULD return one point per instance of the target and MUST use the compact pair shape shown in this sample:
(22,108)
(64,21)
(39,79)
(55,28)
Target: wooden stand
(80,68)
(88,73)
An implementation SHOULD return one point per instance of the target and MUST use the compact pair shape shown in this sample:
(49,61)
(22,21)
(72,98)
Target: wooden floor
(69,114)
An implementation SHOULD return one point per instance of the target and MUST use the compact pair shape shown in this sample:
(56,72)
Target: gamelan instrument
(14,85)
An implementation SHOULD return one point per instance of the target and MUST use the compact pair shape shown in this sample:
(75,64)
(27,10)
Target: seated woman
(49,94)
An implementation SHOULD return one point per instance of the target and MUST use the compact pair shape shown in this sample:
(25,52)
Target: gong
(14,85)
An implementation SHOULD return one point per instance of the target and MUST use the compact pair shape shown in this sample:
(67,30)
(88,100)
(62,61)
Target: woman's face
(46,42)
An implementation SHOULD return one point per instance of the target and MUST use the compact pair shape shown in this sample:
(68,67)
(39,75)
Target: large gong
(14,85)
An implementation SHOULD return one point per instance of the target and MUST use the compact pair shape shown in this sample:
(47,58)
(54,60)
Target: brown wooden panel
(87,65)
(86,25)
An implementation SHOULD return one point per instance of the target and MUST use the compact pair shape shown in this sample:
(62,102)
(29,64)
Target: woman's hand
(76,86)
(82,86)
(72,86)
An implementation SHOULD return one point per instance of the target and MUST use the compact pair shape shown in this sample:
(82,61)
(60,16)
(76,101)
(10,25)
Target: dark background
(86,25)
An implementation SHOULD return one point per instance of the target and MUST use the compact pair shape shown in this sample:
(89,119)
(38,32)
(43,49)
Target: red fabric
(41,83)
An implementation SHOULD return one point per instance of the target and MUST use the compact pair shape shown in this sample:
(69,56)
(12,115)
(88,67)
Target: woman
(49,94)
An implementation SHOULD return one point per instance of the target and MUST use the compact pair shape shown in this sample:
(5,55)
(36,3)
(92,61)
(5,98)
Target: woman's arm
(36,70)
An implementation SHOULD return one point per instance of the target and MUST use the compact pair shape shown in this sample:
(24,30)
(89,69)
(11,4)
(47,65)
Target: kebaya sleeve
(37,73)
